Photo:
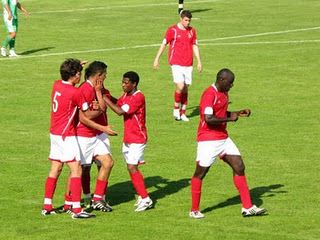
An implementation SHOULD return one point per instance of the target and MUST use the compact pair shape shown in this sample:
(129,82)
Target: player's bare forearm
(114,107)
(196,53)
(25,12)
(156,62)
(88,122)
(7,8)
(102,104)
(213,120)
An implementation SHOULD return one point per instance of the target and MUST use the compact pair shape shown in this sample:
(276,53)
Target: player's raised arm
(114,107)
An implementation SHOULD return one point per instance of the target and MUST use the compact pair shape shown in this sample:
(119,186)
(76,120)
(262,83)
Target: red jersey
(181,45)
(86,96)
(64,109)
(134,105)
(213,102)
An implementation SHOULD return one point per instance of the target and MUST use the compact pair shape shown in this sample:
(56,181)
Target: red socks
(196,184)
(50,187)
(75,189)
(138,184)
(101,188)
(184,103)
(241,184)
(177,100)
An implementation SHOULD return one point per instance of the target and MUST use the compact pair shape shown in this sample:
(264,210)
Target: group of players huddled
(79,128)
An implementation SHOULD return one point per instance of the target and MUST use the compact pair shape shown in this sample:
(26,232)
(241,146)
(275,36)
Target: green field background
(277,76)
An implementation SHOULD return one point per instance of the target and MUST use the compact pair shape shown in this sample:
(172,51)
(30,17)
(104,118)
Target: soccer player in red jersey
(183,42)
(95,144)
(213,141)
(64,146)
(133,108)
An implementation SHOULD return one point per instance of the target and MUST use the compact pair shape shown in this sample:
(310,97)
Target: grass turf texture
(279,142)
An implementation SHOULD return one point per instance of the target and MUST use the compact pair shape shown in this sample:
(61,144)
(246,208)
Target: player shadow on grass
(256,194)
(28,52)
(123,192)
(195,111)
(201,10)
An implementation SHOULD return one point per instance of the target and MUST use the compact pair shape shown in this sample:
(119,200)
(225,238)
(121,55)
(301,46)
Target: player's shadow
(256,194)
(195,111)
(201,10)
(28,52)
(123,192)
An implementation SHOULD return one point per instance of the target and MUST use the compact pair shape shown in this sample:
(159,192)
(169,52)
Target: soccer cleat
(87,202)
(101,205)
(176,114)
(46,212)
(196,214)
(139,199)
(12,53)
(3,52)
(144,204)
(184,118)
(180,10)
(253,211)
(81,215)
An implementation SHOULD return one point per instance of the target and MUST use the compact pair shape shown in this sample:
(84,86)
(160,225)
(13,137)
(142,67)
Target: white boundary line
(261,34)
(262,43)
(122,6)
(204,43)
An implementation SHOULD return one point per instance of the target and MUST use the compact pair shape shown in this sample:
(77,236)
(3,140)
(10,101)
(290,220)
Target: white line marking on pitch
(260,34)
(265,42)
(206,40)
(121,6)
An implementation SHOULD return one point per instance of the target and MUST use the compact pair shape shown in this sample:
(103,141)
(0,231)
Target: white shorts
(133,153)
(182,74)
(207,151)
(66,150)
(93,146)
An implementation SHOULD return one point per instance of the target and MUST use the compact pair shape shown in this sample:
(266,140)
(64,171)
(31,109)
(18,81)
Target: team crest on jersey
(190,34)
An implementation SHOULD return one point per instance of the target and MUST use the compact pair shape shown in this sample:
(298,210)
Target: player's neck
(180,26)
(132,92)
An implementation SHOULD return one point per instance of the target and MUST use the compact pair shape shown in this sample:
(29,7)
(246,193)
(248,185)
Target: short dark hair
(223,73)
(132,76)
(94,68)
(186,13)
(69,68)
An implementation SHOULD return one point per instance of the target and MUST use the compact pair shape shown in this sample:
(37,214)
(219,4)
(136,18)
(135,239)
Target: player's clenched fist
(244,113)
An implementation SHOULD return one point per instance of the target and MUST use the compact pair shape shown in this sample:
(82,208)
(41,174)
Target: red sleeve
(207,100)
(135,104)
(169,35)
(194,37)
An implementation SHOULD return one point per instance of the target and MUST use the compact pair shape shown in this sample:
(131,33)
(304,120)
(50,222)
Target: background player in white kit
(133,108)
(183,42)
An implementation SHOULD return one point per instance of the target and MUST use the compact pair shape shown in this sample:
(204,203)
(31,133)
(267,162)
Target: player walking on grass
(133,108)
(182,39)
(10,17)
(213,141)
(64,146)
(95,144)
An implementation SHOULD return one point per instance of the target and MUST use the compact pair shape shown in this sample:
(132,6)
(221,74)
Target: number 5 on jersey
(55,103)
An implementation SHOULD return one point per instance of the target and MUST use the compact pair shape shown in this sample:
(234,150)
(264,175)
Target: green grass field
(273,47)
